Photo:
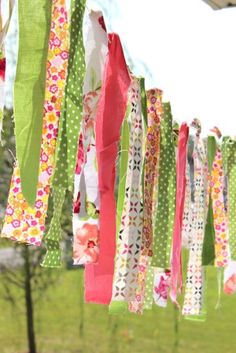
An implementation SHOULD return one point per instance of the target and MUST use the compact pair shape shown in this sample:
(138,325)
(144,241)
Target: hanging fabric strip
(86,219)
(109,118)
(208,252)
(154,107)
(222,256)
(193,299)
(144,293)
(165,213)
(66,149)
(229,153)
(229,167)
(176,260)
(29,87)
(115,306)
(24,223)
(130,233)
(68,132)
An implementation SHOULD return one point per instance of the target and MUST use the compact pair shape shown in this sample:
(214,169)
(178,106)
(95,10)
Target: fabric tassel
(86,219)
(129,240)
(193,298)
(109,118)
(24,223)
(29,86)
(69,126)
(176,259)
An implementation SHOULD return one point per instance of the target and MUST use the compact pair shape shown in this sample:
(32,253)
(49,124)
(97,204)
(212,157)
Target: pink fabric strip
(110,114)
(176,261)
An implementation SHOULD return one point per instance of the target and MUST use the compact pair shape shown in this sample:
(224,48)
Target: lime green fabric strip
(29,89)
(124,154)
(208,252)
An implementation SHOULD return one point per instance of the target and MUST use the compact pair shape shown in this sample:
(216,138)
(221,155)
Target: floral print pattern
(86,246)
(154,107)
(161,287)
(24,223)
(219,214)
(86,194)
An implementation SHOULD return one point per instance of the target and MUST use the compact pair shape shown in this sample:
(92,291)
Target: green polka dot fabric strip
(52,238)
(229,161)
(67,143)
(165,213)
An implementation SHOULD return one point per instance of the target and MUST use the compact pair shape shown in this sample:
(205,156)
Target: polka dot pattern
(148,300)
(229,156)
(165,213)
(73,102)
(52,239)
(66,149)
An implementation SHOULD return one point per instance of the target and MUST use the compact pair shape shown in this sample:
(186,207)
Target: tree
(31,281)
(20,264)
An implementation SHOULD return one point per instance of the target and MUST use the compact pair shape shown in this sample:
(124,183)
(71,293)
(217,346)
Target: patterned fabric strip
(165,212)
(24,223)
(161,287)
(229,153)
(144,293)
(68,130)
(29,85)
(67,143)
(137,305)
(149,293)
(109,118)
(193,299)
(53,256)
(230,278)
(86,221)
(154,108)
(219,213)
(130,233)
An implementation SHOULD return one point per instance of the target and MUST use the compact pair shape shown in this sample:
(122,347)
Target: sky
(184,48)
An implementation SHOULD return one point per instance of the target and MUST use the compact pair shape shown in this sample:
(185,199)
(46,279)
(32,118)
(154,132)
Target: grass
(65,325)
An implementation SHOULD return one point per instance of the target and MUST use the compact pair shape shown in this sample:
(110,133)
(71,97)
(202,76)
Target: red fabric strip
(176,260)
(109,118)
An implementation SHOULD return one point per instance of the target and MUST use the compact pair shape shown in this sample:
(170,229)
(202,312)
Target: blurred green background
(64,324)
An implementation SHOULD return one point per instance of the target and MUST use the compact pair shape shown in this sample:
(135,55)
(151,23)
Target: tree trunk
(29,304)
